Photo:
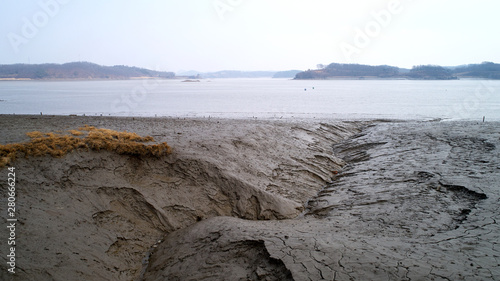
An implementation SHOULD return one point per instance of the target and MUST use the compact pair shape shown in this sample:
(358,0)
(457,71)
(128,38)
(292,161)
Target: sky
(212,35)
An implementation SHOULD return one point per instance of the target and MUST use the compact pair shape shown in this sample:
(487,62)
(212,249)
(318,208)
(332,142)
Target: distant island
(239,74)
(77,71)
(485,70)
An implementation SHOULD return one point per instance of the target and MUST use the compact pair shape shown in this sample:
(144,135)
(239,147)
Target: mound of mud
(106,211)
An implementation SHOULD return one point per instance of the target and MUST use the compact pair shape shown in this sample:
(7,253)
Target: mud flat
(262,200)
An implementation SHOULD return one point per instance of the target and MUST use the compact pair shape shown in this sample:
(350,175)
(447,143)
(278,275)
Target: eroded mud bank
(263,200)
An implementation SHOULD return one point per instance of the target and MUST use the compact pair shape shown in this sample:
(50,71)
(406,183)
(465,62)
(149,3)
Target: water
(400,99)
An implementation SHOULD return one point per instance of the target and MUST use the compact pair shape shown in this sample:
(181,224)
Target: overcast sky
(211,35)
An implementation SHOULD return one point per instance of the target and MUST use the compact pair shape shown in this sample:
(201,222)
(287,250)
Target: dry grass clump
(75,132)
(35,134)
(58,145)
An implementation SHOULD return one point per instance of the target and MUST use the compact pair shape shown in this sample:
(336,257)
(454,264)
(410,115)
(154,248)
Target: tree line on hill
(485,70)
(77,70)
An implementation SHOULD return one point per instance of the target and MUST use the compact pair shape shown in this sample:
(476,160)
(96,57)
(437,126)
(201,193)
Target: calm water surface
(401,99)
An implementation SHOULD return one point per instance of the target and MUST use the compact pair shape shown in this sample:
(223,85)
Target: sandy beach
(260,199)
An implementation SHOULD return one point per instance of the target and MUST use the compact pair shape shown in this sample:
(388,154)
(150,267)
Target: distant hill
(486,70)
(77,70)
(286,74)
(233,74)
(360,71)
(188,73)
(247,74)
(431,72)
(238,74)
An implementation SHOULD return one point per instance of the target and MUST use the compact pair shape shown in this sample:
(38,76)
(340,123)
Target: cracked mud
(268,200)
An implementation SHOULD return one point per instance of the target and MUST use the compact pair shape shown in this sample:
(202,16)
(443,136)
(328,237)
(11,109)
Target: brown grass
(75,132)
(58,145)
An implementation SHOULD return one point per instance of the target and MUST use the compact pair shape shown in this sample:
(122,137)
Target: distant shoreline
(15,79)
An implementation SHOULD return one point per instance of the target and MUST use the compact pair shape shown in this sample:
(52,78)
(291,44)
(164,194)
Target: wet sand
(262,200)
